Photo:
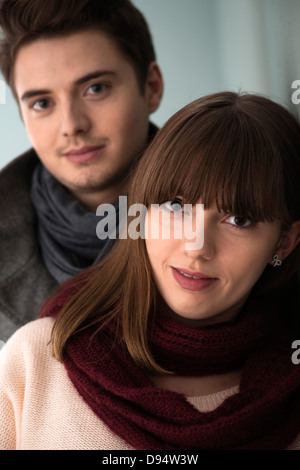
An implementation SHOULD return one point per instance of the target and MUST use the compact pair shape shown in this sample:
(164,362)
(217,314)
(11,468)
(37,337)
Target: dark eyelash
(176,200)
(38,101)
(248,227)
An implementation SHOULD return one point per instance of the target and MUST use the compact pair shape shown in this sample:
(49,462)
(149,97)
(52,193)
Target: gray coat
(24,281)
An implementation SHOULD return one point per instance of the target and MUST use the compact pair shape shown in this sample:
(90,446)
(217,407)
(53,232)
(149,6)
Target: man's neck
(91,200)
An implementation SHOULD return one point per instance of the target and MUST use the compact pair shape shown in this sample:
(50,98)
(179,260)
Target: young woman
(174,342)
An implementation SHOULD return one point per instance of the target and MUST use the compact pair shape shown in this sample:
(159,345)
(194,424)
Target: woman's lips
(84,154)
(189,280)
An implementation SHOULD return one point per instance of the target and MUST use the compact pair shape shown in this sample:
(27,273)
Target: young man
(85,79)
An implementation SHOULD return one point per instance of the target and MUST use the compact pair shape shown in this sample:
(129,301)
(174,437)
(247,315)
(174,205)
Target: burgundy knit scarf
(264,414)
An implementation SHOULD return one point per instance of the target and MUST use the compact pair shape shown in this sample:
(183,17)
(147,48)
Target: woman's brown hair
(241,152)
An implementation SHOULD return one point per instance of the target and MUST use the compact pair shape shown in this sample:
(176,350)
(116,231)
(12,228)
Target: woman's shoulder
(29,343)
(34,332)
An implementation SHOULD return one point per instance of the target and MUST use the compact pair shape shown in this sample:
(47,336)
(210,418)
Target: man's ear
(289,240)
(154,87)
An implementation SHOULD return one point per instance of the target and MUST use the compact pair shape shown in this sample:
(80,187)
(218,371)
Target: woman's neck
(221,317)
(198,386)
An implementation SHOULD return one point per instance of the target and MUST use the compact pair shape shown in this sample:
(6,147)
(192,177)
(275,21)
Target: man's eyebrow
(32,93)
(90,76)
(93,75)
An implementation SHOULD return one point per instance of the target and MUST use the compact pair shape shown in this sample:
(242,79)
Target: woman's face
(209,284)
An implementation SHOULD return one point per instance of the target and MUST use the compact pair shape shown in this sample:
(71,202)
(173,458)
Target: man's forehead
(68,58)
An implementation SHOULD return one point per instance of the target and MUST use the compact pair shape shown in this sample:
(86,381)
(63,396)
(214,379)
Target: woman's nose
(199,236)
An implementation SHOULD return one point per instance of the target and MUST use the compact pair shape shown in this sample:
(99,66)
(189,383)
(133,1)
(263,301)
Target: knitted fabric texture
(264,414)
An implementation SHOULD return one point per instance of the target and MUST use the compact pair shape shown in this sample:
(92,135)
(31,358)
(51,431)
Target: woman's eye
(175,205)
(239,222)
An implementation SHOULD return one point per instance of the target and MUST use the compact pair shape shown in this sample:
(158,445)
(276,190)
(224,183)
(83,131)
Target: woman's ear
(288,241)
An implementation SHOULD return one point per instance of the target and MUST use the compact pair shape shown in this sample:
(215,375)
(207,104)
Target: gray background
(204,46)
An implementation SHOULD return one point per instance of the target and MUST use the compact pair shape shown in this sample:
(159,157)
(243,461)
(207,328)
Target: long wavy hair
(239,151)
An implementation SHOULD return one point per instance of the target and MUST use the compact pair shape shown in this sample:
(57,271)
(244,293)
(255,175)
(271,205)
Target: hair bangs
(219,159)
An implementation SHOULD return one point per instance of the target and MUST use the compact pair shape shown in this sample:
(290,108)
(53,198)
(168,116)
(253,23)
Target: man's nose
(74,119)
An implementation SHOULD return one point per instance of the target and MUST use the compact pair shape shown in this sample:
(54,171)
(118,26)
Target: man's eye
(97,88)
(41,105)
(239,222)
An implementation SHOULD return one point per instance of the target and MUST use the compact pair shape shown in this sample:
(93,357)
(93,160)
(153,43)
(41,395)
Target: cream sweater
(41,410)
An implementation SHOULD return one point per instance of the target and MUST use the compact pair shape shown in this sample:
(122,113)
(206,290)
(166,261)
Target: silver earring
(276,261)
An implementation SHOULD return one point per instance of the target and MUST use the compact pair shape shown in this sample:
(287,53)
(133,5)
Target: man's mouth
(82,150)
(84,154)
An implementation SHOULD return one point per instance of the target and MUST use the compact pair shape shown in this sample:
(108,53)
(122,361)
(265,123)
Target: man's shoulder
(24,279)
(20,168)
(15,183)
(16,209)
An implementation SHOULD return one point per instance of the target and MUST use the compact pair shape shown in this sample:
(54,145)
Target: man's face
(83,110)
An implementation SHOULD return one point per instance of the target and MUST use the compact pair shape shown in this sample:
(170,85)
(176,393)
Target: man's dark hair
(24,21)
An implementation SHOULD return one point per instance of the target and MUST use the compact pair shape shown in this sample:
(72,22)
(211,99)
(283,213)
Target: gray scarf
(66,231)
